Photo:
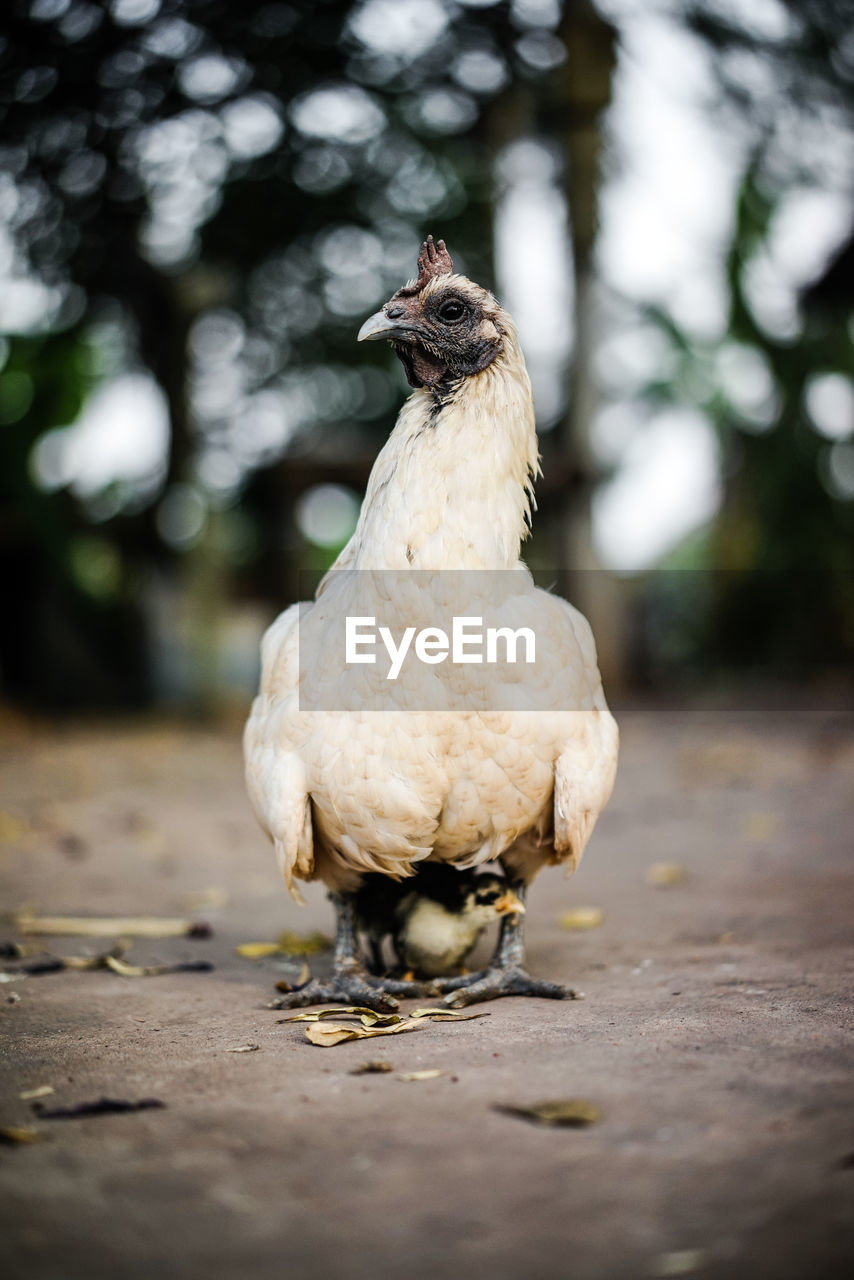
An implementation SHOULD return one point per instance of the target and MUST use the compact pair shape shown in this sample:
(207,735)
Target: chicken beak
(508,904)
(377,326)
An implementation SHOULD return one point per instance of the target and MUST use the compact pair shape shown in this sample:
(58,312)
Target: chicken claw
(350,982)
(352,987)
(493,983)
(506,975)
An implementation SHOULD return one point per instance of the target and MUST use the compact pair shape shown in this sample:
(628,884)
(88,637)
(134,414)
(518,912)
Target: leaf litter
(18,1135)
(368,1017)
(301,979)
(370,1023)
(582,918)
(446,1014)
(663,875)
(112,959)
(330,1034)
(28,922)
(571,1113)
(288,943)
(155,970)
(101,1107)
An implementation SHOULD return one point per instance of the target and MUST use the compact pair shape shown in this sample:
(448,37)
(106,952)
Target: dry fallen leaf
(257,950)
(663,874)
(582,918)
(81,962)
(14,1134)
(444,1013)
(101,1107)
(341,1011)
(113,959)
(451,1016)
(326,1036)
(154,970)
(288,944)
(96,927)
(245,1048)
(298,944)
(375,1066)
(574,1113)
(421,1075)
(680,1262)
(130,970)
(42,965)
(42,1091)
(300,981)
(370,1018)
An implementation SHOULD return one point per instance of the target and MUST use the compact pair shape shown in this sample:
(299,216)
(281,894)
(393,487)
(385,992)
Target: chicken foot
(505,975)
(350,982)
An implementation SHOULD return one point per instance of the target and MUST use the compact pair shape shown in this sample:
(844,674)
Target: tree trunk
(573,117)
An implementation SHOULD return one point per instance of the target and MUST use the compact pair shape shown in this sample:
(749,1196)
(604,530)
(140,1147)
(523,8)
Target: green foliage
(778,591)
(71,635)
(231,188)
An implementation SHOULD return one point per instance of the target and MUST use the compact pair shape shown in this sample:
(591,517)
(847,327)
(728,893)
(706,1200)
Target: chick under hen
(345,789)
(434,919)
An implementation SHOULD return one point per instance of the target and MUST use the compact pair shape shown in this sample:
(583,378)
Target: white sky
(664,223)
(122,434)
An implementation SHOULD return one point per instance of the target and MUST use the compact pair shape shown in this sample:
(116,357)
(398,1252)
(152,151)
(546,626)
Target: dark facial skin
(442,336)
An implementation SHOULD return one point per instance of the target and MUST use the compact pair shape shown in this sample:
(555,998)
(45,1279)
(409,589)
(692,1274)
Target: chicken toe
(506,975)
(346,987)
(493,983)
(354,986)
(350,982)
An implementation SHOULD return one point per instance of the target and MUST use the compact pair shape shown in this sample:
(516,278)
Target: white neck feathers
(451,488)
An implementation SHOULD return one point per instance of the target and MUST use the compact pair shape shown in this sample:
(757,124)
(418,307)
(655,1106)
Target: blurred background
(201,201)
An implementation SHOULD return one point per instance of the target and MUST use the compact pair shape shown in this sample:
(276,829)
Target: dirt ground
(714,1036)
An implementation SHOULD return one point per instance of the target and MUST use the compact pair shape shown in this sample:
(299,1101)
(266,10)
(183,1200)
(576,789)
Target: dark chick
(434,918)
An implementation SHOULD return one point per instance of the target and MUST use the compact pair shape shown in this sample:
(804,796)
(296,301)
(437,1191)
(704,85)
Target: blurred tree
(226,190)
(216,195)
(71,634)
(778,385)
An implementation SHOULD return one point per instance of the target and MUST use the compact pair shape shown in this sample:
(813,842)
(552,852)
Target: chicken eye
(451,312)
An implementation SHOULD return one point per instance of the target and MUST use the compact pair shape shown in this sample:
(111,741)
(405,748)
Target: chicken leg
(350,982)
(505,975)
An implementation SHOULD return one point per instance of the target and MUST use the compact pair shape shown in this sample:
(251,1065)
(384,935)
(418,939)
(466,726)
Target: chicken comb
(433,260)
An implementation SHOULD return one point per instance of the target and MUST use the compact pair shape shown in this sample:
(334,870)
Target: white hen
(346,787)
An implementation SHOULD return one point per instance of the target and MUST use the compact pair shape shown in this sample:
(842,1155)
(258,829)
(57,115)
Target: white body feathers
(342,793)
